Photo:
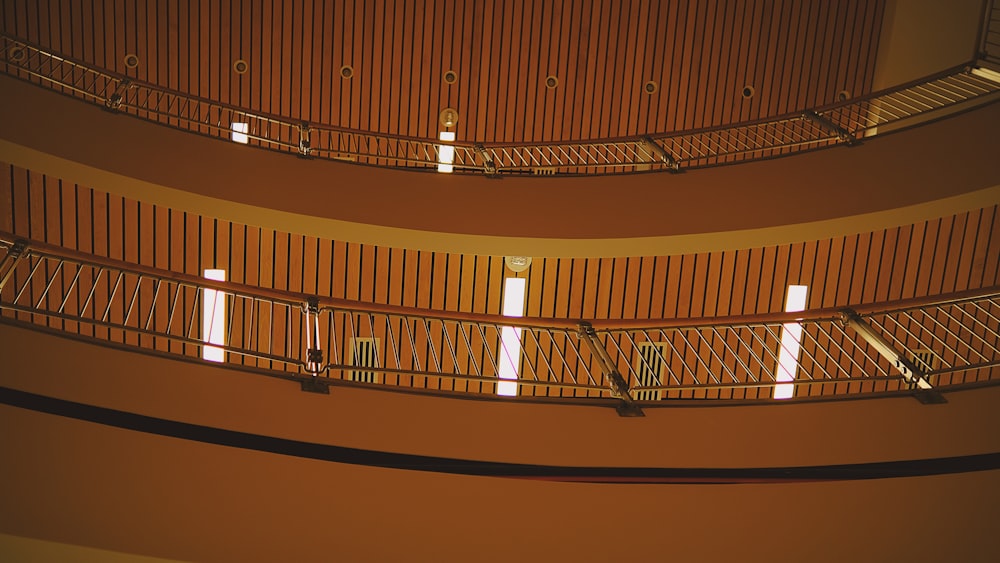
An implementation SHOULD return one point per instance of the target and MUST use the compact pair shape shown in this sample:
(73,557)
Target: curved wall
(914,175)
(77,482)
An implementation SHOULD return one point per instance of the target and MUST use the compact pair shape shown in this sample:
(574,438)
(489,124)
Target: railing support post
(910,371)
(305,145)
(619,387)
(9,263)
(115,100)
(843,134)
(314,354)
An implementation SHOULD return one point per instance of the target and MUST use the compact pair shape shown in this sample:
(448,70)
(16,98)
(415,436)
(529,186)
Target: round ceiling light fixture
(448,117)
(551,81)
(450,77)
(346,71)
(650,87)
(517,264)
(16,54)
(241,66)
(843,96)
(131,60)
(748,91)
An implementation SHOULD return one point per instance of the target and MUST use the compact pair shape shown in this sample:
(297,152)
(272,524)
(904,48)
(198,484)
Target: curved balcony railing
(916,346)
(844,123)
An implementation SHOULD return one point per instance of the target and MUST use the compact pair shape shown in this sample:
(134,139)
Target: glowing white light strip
(446,153)
(791,337)
(213,318)
(987,74)
(510,337)
(240,131)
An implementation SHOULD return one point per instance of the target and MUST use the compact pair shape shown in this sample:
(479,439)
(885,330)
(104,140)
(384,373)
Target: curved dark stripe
(372,458)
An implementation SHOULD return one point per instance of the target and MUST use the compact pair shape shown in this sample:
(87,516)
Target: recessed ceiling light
(450,77)
(748,91)
(551,81)
(517,263)
(16,54)
(240,66)
(448,117)
(346,71)
(843,96)
(131,60)
(650,87)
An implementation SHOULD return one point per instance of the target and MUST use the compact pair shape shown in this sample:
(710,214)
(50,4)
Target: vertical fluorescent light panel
(791,337)
(510,337)
(240,131)
(213,318)
(446,153)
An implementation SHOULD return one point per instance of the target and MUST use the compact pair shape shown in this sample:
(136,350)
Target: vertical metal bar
(413,346)
(548,365)
(392,341)
(72,284)
(678,355)
(131,305)
(957,338)
(152,303)
(486,347)
(430,344)
(90,295)
(468,346)
(48,286)
(111,298)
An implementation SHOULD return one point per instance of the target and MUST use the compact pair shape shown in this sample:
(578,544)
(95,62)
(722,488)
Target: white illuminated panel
(987,74)
(791,338)
(510,337)
(446,153)
(240,131)
(213,318)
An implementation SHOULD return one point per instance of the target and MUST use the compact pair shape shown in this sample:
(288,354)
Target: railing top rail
(602,325)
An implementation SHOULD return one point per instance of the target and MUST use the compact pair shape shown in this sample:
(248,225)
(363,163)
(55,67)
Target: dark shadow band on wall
(372,458)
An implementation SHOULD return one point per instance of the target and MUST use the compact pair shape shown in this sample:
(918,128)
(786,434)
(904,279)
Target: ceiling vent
(364,353)
(649,369)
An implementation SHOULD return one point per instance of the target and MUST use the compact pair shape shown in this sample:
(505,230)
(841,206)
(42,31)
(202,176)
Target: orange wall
(159,165)
(78,482)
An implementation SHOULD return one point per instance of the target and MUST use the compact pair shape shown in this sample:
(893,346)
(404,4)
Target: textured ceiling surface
(712,62)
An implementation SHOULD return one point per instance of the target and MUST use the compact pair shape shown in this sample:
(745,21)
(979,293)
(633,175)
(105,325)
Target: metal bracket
(910,371)
(843,134)
(304,145)
(9,262)
(114,101)
(489,166)
(315,385)
(619,387)
(662,155)
(314,354)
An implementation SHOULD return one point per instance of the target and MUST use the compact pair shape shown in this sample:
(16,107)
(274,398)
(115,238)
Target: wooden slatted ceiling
(702,54)
(943,255)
